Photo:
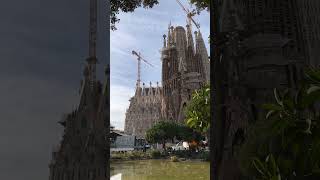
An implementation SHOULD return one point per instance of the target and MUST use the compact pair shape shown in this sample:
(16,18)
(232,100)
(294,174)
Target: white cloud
(122,38)
(119,102)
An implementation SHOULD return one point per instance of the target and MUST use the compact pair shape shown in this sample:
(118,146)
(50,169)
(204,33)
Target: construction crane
(139,65)
(189,15)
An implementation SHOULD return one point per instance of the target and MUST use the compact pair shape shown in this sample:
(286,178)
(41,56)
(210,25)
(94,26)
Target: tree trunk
(218,120)
(208,137)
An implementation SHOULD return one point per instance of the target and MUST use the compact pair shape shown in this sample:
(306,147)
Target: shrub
(183,154)
(174,158)
(204,155)
(164,154)
(131,155)
(155,154)
(286,144)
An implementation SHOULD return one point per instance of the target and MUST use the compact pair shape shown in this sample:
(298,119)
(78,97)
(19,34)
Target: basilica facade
(185,68)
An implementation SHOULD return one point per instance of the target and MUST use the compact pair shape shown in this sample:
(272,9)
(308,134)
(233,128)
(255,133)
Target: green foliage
(198,110)
(186,133)
(161,132)
(164,131)
(268,169)
(127,6)
(205,155)
(138,155)
(182,154)
(291,133)
(201,5)
(130,155)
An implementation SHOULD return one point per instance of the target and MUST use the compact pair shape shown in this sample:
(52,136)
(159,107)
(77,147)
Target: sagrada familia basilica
(185,68)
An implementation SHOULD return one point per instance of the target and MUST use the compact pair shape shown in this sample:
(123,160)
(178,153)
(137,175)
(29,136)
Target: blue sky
(142,31)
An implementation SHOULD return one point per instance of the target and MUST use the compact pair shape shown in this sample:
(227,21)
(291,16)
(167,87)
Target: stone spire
(92,59)
(164,41)
(180,41)
(201,49)
(172,36)
(90,83)
(189,37)
(143,89)
(150,93)
(157,89)
(169,35)
(157,92)
(138,90)
(197,43)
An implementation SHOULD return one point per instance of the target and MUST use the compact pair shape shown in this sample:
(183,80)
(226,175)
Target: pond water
(160,170)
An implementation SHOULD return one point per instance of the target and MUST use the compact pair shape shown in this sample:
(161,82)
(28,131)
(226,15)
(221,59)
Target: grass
(156,154)
(136,155)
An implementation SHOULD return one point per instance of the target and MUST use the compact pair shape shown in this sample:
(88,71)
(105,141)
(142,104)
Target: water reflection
(160,170)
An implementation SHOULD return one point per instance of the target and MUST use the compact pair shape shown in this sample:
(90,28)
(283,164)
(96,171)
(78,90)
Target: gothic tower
(185,68)
(82,151)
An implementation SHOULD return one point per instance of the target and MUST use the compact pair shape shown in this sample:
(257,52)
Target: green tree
(162,132)
(165,131)
(198,110)
(289,138)
(186,133)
